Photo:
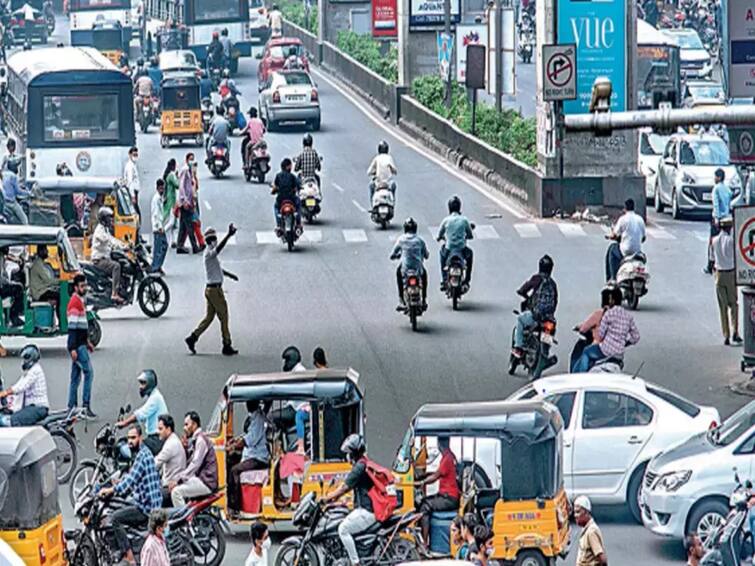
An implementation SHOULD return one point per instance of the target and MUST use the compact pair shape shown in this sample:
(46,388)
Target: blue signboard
(598,29)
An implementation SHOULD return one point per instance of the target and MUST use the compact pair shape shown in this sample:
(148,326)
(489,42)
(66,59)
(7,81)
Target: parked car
(695,59)
(685,175)
(686,487)
(289,96)
(614,424)
(276,52)
(259,26)
(704,94)
(651,149)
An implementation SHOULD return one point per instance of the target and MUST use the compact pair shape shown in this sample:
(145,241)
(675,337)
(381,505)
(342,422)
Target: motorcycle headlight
(687,178)
(673,481)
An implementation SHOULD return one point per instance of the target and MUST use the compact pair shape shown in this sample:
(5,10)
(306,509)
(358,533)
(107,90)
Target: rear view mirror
(128,408)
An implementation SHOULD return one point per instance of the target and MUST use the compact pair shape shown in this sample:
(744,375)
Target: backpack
(544,299)
(382,493)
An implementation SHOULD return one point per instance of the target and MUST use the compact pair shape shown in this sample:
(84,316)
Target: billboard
(741,75)
(468,34)
(430,13)
(384,18)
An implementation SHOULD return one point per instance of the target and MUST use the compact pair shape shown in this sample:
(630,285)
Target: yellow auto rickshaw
(181,110)
(107,38)
(509,471)
(332,406)
(30,519)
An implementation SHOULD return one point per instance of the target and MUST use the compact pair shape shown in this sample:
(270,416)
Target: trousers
(83,364)
(113,268)
(613,261)
(355,522)
(193,487)
(27,416)
(160,249)
(186,228)
(216,305)
(130,516)
(728,306)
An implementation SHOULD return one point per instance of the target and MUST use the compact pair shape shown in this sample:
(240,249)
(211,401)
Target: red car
(276,52)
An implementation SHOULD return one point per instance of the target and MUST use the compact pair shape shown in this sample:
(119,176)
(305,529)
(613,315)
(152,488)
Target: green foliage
(293,11)
(506,131)
(367,51)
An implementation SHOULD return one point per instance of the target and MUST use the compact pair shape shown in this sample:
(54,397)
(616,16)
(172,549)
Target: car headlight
(673,481)
(687,178)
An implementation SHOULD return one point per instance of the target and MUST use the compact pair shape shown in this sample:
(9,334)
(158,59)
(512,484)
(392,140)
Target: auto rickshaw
(181,116)
(21,242)
(333,406)
(509,471)
(107,38)
(30,519)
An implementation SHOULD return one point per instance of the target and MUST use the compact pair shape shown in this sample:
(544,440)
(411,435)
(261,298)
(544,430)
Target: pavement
(337,290)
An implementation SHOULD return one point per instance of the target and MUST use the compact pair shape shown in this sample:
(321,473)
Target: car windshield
(707,91)
(708,152)
(689,40)
(733,427)
(653,144)
(283,51)
(297,79)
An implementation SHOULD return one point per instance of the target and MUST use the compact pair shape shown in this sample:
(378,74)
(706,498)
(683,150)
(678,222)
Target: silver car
(651,150)
(290,97)
(685,174)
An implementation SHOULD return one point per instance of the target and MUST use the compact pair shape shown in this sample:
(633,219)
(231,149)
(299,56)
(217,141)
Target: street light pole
(449,79)
(499,55)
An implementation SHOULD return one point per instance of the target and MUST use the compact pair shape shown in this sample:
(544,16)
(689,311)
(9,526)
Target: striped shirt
(77,322)
(617,331)
(31,389)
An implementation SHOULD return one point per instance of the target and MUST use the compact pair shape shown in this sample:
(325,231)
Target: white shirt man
(171,460)
(630,227)
(103,242)
(276,22)
(382,169)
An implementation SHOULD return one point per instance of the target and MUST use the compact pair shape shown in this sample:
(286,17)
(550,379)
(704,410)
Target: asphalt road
(338,291)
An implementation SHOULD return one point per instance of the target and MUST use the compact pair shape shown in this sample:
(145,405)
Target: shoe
(726,342)
(89,414)
(199,250)
(191,342)
(182,251)
(229,351)
(424,306)
(401,307)
(173,246)
(708,270)
(737,339)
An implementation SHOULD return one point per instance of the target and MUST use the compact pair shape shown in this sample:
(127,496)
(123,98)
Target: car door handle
(635,440)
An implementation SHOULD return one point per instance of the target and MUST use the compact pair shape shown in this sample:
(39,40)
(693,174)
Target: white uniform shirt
(382,168)
(103,242)
(631,229)
(723,252)
(159,222)
(131,174)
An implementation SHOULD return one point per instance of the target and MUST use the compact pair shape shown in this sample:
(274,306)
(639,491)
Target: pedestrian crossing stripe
(312,236)
(485,232)
(660,234)
(354,235)
(572,230)
(268,237)
(527,230)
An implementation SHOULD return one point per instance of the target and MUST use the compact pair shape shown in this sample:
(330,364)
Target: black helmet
(545,266)
(383,147)
(454,204)
(353,445)
(410,226)
(105,214)
(149,378)
(307,140)
(291,356)
(29,356)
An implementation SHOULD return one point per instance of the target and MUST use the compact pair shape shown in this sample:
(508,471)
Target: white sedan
(289,96)
(614,424)
(651,150)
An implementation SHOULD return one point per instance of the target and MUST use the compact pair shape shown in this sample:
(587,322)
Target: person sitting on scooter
(103,244)
(617,331)
(589,330)
(286,187)
(228,86)
(629,234)
(220,132)
(412,251)
(30,390)
(252,134)
(540,294)
(381,171)
(307,163)
(455,230)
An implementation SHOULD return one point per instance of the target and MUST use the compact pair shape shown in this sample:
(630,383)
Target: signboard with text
(741,15)
(559,72)
(384,18)
(429,13)
(741,145)
(744,245)
(468,34)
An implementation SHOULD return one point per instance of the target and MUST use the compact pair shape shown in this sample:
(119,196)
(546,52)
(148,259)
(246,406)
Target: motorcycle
(383,205)
(456,272)
(145,112)
(525,45)
(207,114)
(204,530)
(730,542)
(137,282)
(536,352)
(215,78)
(413,297)
(632,278)
(288,229)
(311,197)
(218,160)
(257,162)
(383,544)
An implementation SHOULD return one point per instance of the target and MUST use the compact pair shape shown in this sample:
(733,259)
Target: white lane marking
(527,230)
(359,206)
(354,235)
(571,230)
(337,187)
(267,237)
(207,205)
(485,232)
(660,234)
(476,184)
(312,236)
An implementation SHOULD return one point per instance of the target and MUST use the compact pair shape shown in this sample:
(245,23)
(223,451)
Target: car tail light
(276,97)
(314,97)
(713,424)
(549,327)
(412,281)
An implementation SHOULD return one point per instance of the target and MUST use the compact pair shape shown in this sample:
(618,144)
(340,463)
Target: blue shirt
(11,188)
(255,440)
(412,251)
(456,230)
(148,413)
(721,201)
(143,482)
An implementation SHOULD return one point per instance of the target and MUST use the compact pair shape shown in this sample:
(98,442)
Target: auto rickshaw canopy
(339,385)
(180,91)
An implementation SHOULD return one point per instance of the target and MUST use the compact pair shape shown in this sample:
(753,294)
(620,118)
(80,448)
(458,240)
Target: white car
(686,488)
(651,149)
(695,59)
(614,424)
(178,60)
(289,96)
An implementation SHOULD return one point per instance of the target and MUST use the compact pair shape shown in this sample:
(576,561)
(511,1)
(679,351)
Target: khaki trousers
(726,293)
(216,306)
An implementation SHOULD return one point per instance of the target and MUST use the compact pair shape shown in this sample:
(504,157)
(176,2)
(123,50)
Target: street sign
(468,34)
(741,30)
(384,18)
(741,145)
(445,52)
(430,13)
(744,245)
(559,72)
(508,50)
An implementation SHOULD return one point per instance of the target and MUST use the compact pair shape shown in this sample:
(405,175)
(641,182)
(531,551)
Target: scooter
(257,162)
(145,113)
(525,45)
(311,197)
(614,364)
(632,278)
(383,205)
(731,542)
(218,160)
(288,229)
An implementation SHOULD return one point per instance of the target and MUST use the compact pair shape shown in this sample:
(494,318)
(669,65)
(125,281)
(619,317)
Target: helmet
(105,214)
(226,74)
(149,378)
(454,204)
(545,266)
(291,356)
(410,226)
(153,62)
(29,356)
(353,445)
(383,147)
(307,140)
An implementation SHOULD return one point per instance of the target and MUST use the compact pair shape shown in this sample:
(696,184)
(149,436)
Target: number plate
(383,209)
(708,197)
(311,202)
(546,339)
(296,98)
(218,162)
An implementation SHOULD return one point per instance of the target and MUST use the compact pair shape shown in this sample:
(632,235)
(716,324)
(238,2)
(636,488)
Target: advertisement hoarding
(384,18)
(741,16)
(468,34)
(430,13)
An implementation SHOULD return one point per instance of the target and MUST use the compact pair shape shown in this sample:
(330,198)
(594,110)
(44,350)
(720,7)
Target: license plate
(296,98)
(218,162)
(546,339)
(311,202)
(708,197)
(383,209)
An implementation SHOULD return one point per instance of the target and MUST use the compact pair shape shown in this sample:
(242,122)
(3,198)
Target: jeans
(373,188)
(82,364)
(589,356)
(160,245)
(130,516)
(355,522)
(27,416)
(523,321)
(14,212)
(193,487)
(276,211)
(613,261)
(468,256)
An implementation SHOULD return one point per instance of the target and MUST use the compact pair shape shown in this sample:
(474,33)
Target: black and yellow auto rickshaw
(107,38)
(30,519)
(331,405)
(181,117)
(509,470)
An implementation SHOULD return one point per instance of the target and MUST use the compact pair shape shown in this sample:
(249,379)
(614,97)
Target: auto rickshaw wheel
(531,557)
(200,140)
(154,296)
(164,141)
(66,455)
(94,332)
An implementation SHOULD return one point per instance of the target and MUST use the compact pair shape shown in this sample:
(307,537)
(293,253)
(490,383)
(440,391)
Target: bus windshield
(217,10)
(99,4)
(81,117)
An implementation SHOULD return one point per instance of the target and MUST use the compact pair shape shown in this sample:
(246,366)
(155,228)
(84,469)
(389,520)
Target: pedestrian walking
(155,550)
(79,346)
(260,545)
(726,287)
(186,206)
(215,302)
(318,358)
(721,197)
(694,547)
(591,551)
(170,210)
(131,175)
(159,227)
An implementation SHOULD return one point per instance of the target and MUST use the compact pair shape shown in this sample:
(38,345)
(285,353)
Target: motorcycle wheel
(66,455)
(400,550)
(144,125)
(290,241)
(633,299)
(83,478)
(542,357)
(209,540)
(164,142)
(179,550)
(513,364)
(85,554)
(154,296)
(261,178)
(95,332)
(287,556)
(248,176)
(413,317)
(455,300)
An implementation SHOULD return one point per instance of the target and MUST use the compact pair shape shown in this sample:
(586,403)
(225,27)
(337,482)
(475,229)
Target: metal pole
(499,55)
(474,111)
(663,118)
(560,137)
(449,83)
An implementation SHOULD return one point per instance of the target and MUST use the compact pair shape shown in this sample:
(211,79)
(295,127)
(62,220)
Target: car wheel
(316,125)
(706,517)
(676,214)
(633,493)
(658,201)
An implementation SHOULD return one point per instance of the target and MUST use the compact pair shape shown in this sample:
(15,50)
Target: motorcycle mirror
(128,408)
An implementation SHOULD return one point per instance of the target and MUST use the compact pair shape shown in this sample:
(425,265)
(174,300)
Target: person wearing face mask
(155,550)
(260,545)
(186,195)
(148,414)
(131,175)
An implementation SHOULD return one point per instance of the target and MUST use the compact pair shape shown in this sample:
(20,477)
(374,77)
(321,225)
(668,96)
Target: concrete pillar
(403,43)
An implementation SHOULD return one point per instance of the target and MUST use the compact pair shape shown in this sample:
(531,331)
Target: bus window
(216,10)
(78,117)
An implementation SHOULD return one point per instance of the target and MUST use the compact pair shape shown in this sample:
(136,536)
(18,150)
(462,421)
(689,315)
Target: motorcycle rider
(139,70)
(307,163)
(103,244)
(30,391)
(252,133)
(286,187)
(12,190)
(275,18)
(143,88)
(201,474)
(215,53)
(293,61)
(361,517)
(455,230)
(227,86)
(412,251)
(628,234)
(540,294)
(220,133)
(147,415)
(225,41)
(382,170)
